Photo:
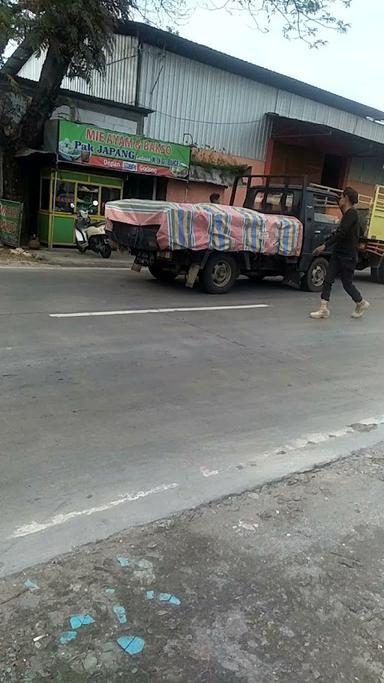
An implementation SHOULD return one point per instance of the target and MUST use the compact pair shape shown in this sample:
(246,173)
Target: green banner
(11,214)
(87,145)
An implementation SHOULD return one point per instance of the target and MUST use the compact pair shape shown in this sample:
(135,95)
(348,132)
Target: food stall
(62,192)
(92,168)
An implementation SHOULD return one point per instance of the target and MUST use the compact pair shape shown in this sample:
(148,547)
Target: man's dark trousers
(345,267)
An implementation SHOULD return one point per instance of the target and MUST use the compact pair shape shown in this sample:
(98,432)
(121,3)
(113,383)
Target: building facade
(233,114)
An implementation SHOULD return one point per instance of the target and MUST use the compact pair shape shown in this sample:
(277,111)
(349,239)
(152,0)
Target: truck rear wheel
(161,273)
(377,274)
(219,274)
(313,279)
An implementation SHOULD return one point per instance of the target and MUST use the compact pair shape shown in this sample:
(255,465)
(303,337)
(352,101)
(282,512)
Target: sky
(350,65)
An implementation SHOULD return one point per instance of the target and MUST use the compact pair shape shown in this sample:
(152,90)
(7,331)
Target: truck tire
(313,279)
(377,274)
(162,274)
(219,274)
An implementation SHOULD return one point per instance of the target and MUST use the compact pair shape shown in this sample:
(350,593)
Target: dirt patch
(19,256)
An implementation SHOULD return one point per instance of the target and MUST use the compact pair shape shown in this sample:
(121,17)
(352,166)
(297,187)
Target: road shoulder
(283,583)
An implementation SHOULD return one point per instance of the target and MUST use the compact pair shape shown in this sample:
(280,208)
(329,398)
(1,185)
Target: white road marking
(35,527)
(138,311)
(208,473)
(301,443)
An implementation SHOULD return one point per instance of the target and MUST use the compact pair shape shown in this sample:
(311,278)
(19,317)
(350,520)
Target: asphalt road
(113,420)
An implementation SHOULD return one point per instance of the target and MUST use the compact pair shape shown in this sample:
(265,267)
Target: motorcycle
(90,235)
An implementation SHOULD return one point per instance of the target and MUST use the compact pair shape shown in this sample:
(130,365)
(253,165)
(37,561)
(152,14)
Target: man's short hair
(214,197)
(351,194)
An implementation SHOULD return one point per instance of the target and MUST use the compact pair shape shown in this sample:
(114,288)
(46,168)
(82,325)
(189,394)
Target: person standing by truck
(345,243)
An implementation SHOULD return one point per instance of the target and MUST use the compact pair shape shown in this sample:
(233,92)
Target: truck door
(321,217)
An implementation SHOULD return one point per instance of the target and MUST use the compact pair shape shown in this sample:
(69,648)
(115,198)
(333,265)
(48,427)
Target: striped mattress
(210,226)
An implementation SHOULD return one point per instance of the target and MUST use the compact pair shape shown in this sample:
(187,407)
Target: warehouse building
(234,116)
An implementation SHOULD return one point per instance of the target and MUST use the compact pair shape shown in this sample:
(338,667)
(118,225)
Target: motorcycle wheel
(81,249)
(106,250)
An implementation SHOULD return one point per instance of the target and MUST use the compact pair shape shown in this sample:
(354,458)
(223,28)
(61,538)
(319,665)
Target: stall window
(65,197)
(109,194)
(88,198)
(45,194)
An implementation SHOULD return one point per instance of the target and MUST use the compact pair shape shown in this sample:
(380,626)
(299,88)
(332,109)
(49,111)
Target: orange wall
(178,191)
(362,188)
(192,192)
(297,161)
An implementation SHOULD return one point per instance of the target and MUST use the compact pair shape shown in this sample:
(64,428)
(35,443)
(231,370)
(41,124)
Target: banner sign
(91,146)
(11,214)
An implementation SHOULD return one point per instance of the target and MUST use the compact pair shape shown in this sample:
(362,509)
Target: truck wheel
(313,279)
(377,274)
(219,274)
(161,274)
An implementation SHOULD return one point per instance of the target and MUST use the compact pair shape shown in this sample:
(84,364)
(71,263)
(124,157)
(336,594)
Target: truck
(299,213)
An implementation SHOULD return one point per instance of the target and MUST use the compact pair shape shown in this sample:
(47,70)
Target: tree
(305,20)
(76,38)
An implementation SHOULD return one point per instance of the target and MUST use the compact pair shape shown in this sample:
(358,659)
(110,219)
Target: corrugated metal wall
(367,170)
(295,107)
(224,111)
(119,82)
(197,102)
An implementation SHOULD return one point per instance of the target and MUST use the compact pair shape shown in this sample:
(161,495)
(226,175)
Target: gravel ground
(284,583)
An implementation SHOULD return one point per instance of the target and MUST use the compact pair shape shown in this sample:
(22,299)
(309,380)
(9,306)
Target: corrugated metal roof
(117,85)
(211,107)
(194,102)
(206,55)
(208,98)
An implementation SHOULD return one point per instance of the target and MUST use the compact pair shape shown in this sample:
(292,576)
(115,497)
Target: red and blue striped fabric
(210,226)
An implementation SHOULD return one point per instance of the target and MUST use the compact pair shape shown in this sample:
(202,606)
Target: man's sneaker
(360,309)
(323,311)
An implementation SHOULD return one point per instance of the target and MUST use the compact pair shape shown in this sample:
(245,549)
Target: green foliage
(304,20)
(77,38)
(79,31)
(82,29)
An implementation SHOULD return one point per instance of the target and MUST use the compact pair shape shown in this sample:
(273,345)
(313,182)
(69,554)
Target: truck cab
(314,205)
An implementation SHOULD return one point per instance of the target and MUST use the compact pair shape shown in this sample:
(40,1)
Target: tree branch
(18,58)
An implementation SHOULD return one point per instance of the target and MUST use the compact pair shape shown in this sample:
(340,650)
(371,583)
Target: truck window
(274,201)
(326,208)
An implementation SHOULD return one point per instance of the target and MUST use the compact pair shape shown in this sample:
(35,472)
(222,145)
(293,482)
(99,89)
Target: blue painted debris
(120,614)
(132,645)
(123,561)
(79,620)
(163,597)
(31,586)
(171,599)
(110,591)
(66,637)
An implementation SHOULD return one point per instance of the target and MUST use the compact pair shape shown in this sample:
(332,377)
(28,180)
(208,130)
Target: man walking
(345,243)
